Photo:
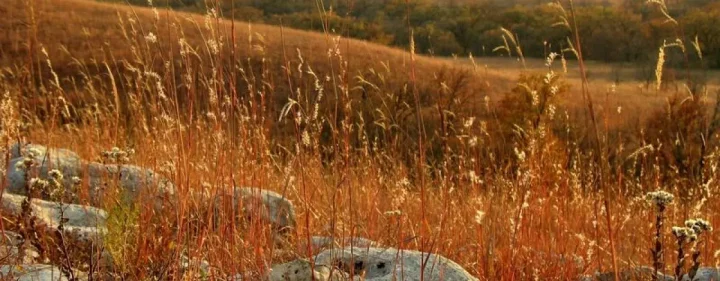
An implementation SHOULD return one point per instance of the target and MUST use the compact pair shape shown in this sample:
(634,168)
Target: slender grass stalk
(600,152)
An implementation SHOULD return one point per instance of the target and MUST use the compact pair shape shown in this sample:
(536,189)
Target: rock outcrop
(387,264)
(271,206)
(31,272)
(131,180)
(83,222)
(252,202)
(301,270)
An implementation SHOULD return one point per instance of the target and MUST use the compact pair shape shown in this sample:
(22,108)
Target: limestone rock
(31,272)
(132,179)
(387,264)
(301,270)
(99,177)
(270,206)
(65,161)
(85,222)
(40,152)
(704,274)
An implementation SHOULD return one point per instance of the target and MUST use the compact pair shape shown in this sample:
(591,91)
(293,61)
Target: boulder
(270,206)
(65,161)
(301,270)
(704,274)
(99,177)
(31,272)
(40,152)
(83,222)
(387,264)
(132,180)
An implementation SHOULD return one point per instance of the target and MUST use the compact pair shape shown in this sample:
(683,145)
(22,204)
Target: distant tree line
(612,31)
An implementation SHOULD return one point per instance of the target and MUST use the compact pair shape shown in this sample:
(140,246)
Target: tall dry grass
(366,141)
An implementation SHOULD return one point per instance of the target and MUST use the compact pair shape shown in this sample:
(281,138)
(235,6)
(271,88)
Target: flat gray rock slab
(705,274)
(389,264)
(301,270)
(84,222)
(31,272)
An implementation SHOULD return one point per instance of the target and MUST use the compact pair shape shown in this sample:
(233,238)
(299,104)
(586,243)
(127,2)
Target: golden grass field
(410,151)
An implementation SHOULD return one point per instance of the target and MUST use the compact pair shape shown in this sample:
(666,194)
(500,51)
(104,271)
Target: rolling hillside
(90,31)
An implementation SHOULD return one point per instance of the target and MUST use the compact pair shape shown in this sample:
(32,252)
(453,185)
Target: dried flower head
(659,198)
(56,175)
(685,234)
(698,225)
(26,164)
(38,184)
(118,155)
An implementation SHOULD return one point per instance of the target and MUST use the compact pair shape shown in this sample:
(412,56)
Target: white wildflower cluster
(38,184)
(27,163)
(692,229)
(56,175)
(698,225)
(659,198)
(55,186)
(684,234)
(118,155)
